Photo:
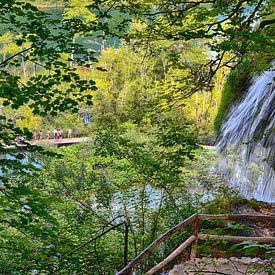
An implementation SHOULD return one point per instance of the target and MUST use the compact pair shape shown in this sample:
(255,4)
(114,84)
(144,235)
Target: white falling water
(247,141)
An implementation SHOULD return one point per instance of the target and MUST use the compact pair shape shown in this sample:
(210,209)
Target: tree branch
(247,22)
(179,10)
(265,23)
(235,10)
(92,239)
(4,63)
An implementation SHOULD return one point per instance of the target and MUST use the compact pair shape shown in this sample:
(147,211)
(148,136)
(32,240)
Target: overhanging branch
(92,239)
(4,63)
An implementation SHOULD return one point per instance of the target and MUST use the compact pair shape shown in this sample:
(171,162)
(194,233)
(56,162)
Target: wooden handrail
(127,269)
(227,217)
(194,219)
(237,238)
(172,256)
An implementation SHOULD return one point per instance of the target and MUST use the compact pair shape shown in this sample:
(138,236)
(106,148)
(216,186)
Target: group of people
(57,134)
(19,139)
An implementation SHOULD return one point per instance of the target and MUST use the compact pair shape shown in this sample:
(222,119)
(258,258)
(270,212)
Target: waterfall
(246,145)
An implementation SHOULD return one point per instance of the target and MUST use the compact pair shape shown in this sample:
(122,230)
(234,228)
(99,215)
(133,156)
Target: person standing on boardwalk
(55,133)
(70,131)
(48,134)
(40,135)
(60,133)
(34,135)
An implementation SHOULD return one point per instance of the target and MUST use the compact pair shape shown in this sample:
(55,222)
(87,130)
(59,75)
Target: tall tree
(245,29)
(44,41)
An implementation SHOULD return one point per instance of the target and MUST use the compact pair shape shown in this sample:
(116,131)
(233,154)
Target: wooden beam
(237,238)
(237,217)
(172,256)
(127,269)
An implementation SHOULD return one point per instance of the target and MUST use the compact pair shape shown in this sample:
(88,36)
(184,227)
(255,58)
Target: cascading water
(247,141)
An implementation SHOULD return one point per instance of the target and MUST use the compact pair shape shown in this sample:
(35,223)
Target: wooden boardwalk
(62,141)
(57,142)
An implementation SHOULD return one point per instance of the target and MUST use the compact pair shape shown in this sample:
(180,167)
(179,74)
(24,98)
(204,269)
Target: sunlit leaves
(79,9)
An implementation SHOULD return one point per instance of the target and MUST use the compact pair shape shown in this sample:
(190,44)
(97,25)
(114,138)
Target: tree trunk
(197,109)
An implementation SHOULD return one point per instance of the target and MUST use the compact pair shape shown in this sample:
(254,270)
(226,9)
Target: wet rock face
(231,266)
(247,141)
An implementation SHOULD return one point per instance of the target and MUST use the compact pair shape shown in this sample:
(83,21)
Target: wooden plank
(237,217)
(63,141)
(237,238)
(127,269)
(172,256)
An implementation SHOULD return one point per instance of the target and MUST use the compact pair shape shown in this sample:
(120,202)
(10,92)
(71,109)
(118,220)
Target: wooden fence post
(126,236)
(196,229)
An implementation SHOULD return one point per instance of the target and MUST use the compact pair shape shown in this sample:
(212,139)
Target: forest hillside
(140,92)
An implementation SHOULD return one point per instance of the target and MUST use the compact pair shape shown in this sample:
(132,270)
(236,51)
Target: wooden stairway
(194,220)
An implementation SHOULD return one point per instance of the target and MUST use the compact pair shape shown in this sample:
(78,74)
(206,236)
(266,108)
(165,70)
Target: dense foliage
(72,216)
(149,75)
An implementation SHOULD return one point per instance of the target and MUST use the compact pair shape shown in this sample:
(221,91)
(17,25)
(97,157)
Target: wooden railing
(194,220)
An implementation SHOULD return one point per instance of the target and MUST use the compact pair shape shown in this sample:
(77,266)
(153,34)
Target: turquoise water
(93,41)
(28,159)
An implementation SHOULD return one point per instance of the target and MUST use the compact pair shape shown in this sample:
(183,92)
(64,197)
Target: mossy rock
(234,88)
(238,82)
